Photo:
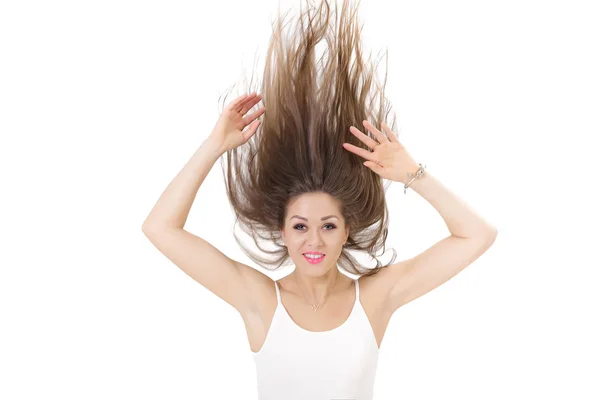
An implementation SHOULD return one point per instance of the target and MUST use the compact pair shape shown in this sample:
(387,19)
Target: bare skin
(253,293)
(314,223)
(333,314)
(248,290)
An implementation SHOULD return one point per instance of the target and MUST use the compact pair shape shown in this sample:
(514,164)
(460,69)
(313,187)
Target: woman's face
(313,223)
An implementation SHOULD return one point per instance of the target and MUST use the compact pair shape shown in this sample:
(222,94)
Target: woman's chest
(330,317)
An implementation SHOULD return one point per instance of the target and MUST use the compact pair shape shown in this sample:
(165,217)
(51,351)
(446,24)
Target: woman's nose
(315,239)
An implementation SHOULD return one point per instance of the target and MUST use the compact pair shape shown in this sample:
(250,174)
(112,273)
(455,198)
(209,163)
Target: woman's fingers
(390,135)
(247,120)
(363,138)
(238,104)
(361,152)
(378,134)
(248,133)
(250,102)
(234,105)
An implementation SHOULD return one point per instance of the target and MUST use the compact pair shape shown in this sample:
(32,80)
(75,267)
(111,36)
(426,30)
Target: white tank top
(297,364)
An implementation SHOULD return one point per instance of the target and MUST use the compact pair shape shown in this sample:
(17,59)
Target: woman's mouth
(314,260)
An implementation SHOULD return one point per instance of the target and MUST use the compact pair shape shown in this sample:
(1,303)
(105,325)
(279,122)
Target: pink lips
(314,260)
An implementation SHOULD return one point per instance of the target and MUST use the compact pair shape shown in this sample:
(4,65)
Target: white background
(102,103)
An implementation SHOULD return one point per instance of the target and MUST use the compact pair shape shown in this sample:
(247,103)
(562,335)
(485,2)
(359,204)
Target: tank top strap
(357,291)
(278,293)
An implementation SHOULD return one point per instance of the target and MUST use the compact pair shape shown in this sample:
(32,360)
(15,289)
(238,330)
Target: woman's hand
(389,158)
(229,126)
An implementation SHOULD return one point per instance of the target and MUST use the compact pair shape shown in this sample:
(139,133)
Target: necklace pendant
(315,307)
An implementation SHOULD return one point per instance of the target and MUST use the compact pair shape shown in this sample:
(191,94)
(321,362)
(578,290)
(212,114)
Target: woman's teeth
(314,259)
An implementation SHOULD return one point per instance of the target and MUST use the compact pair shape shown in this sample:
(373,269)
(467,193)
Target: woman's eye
(332,226)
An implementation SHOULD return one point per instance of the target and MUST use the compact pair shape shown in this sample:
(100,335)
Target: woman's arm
(173,206)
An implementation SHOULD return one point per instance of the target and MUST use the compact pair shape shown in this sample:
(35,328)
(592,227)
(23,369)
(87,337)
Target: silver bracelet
(417,175)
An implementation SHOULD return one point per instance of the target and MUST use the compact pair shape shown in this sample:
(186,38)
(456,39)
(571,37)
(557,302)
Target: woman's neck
(316,290)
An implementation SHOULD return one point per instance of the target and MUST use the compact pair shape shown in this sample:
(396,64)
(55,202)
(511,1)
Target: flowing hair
(310,106)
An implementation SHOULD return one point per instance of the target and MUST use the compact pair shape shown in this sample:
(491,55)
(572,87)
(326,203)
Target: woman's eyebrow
(322,219)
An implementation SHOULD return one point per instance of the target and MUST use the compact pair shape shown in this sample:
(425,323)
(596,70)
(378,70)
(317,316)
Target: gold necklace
(316,307)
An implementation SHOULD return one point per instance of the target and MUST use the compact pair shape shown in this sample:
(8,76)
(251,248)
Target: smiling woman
(296,159)
(318,241)
(293,185)
(296,180)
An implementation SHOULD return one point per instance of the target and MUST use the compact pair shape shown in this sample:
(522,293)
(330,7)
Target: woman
(310,182)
